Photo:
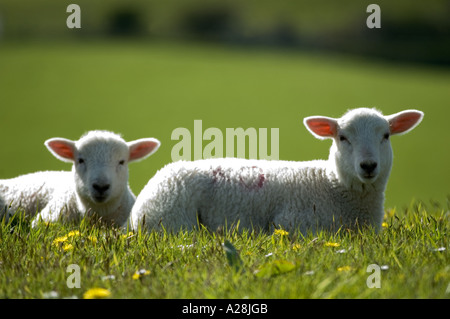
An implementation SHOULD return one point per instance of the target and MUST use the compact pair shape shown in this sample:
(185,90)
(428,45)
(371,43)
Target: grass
(412,252)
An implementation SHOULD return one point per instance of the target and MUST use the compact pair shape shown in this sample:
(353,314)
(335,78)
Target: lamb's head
(361,149)
(100,161)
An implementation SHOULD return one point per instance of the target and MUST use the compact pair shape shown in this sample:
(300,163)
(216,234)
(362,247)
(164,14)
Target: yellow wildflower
(140,273)
(331,244)
(136,276)
(129,234)
(280,232)
(67,247)
(96,293)
(345,268)
(59,240)
(73,233)
(296,247)
(384,225)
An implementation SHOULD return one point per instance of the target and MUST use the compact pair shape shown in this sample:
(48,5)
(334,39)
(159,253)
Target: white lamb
(97,184)
(346,191)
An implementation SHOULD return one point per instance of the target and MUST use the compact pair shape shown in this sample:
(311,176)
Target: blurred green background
(145,68)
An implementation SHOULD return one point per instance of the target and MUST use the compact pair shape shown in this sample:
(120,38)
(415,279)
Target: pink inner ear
(141,149)
(404,122)
(62,149)
(322,127)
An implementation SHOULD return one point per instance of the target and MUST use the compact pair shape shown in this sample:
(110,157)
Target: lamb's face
(361,150)
(100,163)
(362,147)
(101,169)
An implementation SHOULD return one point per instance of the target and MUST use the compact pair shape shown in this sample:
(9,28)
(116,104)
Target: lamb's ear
(63,149)
(405,121)
(142,148)
(321,127)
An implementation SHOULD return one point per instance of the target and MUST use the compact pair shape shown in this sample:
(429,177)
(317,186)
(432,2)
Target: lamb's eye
(122,162)
(342,138)
(386,136)
(80,161)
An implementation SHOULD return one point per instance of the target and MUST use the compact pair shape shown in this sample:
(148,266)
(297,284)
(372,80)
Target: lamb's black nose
(368,166)
(101,188)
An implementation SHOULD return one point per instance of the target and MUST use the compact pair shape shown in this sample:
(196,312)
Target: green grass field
(411,254)
(148,90)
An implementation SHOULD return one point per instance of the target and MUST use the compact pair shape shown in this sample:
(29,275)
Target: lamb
(97,184)
(347,190)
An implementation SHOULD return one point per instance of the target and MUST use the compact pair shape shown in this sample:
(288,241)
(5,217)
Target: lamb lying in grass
(97,184)
(347,190)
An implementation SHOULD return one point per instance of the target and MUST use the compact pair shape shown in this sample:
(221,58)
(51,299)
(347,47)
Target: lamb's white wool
(30,192)
(97,184)
(347,190)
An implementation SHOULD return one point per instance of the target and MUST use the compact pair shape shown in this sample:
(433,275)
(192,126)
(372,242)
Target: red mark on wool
(253,182)
(251,178)
(218,174)
(261,180)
